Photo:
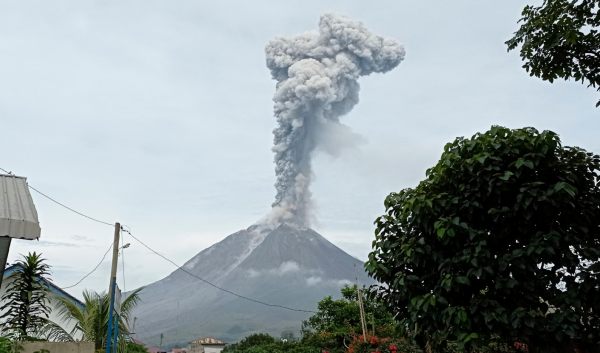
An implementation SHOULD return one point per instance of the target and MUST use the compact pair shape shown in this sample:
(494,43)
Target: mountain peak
(289,265)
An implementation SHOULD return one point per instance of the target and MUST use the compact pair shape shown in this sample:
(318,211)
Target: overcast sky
(158,114)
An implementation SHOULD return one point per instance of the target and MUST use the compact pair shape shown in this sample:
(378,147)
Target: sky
(158,115)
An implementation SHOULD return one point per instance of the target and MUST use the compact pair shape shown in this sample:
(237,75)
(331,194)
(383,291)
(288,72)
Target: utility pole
(115,259)
(134,320)
(113,284)
(360,306)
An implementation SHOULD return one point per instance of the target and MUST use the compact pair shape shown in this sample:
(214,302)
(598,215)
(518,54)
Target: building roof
(209,341)
(53,287)
(18,216)
(155,350)
(138,342)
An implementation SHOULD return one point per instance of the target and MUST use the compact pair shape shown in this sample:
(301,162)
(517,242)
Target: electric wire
(53,200)
(179,267)
(95,268)
(213,285)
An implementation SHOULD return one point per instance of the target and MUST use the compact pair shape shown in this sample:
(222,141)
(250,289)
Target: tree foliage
(91,322)
(341,317)
(502,238)
(26,299)
(560,40)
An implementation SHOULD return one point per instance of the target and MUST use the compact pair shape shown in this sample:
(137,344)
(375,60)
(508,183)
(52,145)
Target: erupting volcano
(279,260)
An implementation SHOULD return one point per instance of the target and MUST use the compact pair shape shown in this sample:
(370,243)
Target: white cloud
(285,268)
(289,266)
(313,281)
(337,283)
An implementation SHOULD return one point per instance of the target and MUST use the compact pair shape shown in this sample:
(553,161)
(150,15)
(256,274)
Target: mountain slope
(286,266)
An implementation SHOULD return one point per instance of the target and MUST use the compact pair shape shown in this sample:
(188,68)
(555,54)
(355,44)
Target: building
(206,345)
(155,350)
(55,294)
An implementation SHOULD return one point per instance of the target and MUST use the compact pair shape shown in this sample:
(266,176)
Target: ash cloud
(317,83)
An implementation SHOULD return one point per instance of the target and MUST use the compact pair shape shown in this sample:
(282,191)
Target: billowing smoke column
(317,83)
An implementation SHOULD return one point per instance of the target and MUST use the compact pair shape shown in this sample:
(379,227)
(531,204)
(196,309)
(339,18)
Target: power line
(207,282)
(53,200)
(179,267)
(95,268)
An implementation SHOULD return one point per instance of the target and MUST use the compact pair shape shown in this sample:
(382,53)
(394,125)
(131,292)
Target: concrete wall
(59,347)
(213,348)
(195,348)
(199,348)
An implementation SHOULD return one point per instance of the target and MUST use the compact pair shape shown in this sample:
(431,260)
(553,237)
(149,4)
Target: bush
(502,238)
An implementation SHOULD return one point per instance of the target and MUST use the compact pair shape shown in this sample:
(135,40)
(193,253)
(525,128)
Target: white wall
(213,349)
(68,326)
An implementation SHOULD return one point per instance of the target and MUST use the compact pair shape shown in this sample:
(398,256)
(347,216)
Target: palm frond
(53,332)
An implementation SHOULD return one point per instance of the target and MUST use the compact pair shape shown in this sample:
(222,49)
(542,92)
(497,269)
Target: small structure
(56,293)
(206,345)
(155,350)
(54,296)
(18,216)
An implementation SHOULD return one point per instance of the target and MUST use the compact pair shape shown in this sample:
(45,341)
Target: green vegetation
(336,328)
(92,322)
(560,40)
(499,244)
(26,300)
(341,318)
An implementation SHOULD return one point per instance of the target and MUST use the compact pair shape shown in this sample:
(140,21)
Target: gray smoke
(317,83)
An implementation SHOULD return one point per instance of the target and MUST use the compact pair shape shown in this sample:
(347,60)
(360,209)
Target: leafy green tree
(502,238)
(256,339)
(341,317)
(288,335)
(132,347)
(26,299)
(91,323)
(560,40)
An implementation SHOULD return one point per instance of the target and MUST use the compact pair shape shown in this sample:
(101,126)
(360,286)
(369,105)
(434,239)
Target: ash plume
(317,83)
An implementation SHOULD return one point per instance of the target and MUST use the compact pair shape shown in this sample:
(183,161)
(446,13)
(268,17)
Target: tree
(288,335)
(91,322)
(560,40)
(502,238)
(341,317)
(26,299)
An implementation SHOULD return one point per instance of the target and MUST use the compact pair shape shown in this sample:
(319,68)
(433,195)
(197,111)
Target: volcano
(289,266)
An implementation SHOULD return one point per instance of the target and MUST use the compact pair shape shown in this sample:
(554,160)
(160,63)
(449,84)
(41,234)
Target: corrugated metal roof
(18,216)
(209,341)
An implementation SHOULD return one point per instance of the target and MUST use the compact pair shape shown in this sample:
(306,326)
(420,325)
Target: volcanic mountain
(288,266)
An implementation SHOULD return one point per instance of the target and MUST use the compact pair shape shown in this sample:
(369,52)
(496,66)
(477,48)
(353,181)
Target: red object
(393,348)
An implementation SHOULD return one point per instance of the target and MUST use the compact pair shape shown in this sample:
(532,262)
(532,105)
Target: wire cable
(179,267)
(207,282)
(68,208)
(53,200)
(95,268)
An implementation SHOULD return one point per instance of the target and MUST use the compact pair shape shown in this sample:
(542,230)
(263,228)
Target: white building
(54,296)
(206,345)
